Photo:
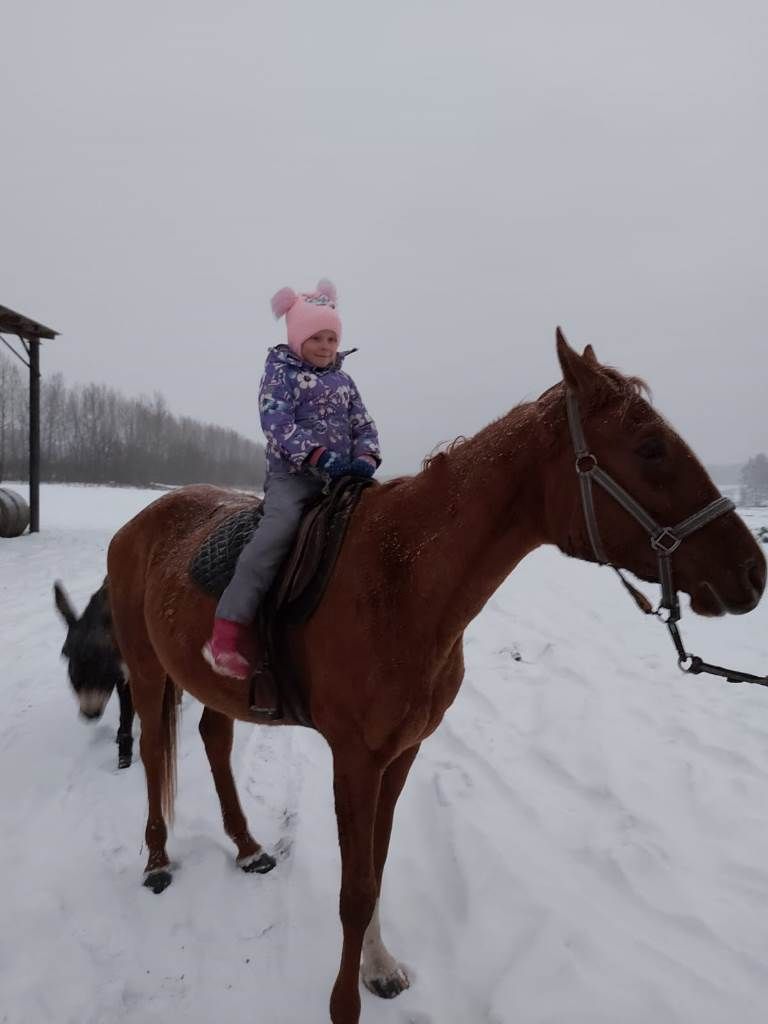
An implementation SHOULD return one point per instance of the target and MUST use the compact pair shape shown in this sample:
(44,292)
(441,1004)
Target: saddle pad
(214,564)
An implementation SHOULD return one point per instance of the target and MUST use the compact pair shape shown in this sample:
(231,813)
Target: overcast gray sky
(469,174)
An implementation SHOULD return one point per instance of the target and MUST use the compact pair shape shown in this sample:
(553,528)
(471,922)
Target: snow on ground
(585,838)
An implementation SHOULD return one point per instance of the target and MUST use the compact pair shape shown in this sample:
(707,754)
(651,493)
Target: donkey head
(720,566)
(94,662)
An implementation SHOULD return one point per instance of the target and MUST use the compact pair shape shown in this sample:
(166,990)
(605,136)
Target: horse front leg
(381,973)
(356,787)
(125,729)
(217,731)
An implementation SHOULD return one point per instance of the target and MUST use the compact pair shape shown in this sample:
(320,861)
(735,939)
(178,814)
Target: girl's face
(320,350)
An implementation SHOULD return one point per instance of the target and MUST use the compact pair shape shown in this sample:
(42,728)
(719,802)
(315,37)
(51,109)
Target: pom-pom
(327,288)
(282,301)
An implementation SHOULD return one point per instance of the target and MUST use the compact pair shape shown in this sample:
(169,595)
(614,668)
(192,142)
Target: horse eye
(653,450)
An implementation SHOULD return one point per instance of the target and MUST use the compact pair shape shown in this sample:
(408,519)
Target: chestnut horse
(381,659)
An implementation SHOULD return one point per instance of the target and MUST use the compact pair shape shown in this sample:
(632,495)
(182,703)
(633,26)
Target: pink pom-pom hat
(307,313)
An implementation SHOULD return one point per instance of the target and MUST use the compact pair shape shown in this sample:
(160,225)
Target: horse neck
(469,518)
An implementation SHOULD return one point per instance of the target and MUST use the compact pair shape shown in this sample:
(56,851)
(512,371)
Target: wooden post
(34,435)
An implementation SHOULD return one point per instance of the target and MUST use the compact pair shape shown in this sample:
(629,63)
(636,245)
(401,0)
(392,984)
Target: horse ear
(579,372)
(64,605)
(589,357)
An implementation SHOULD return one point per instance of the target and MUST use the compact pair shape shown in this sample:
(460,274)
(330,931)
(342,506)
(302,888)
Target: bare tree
(93,434)
(754,481)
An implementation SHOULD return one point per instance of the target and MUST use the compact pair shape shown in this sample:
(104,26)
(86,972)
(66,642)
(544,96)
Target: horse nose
(90,715)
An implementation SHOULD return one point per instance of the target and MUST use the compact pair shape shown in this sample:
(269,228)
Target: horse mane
(547,412)
(442,448)
(629,388)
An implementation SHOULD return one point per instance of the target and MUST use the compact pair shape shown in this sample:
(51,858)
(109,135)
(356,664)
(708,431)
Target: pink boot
(227,652)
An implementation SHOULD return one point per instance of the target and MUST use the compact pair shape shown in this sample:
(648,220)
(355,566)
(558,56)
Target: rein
(664,540)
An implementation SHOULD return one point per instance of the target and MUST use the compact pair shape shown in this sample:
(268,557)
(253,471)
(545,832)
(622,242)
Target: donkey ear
(579,372)
(64,605)
(105,608)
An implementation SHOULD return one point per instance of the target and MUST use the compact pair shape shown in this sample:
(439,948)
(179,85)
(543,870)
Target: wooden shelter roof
(15,323)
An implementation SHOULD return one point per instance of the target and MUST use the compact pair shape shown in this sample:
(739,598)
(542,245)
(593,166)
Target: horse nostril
(755,574)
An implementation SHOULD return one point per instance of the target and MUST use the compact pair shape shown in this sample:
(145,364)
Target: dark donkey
(381,659)
(94,664)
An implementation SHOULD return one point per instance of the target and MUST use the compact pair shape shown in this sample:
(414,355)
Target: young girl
(317,428)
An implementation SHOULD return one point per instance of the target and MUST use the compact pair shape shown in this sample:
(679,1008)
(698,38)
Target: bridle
(664,540)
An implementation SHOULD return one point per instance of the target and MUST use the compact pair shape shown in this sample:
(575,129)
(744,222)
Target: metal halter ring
(579,460)
(665,540)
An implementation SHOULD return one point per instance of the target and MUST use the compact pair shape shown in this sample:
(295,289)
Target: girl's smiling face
(320,350)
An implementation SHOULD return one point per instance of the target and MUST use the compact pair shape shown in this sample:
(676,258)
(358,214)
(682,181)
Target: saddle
(274,691)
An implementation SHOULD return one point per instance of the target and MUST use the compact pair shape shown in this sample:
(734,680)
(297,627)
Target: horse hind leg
(155,701)
(216,731)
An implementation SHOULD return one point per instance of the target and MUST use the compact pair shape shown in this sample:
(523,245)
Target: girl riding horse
(317,429)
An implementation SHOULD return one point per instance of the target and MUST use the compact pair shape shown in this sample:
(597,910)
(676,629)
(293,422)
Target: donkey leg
(381,973)
(356,785)
(216,731)
(125,729)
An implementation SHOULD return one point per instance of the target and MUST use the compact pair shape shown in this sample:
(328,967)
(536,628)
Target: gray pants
(286,495)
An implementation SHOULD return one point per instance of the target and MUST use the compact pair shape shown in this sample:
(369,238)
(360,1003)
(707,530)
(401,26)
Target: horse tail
(168,731)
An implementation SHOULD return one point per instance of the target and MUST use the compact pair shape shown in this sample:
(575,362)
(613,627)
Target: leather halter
(664,540)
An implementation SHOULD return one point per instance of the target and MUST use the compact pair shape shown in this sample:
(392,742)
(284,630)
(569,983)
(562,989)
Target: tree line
(91,433)
(754,481)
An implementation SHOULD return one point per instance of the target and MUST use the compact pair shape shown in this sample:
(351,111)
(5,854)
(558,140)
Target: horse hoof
(124,761)
(158,880)
(389,986)
(260,863)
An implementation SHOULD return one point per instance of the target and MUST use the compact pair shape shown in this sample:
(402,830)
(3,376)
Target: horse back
(173,526)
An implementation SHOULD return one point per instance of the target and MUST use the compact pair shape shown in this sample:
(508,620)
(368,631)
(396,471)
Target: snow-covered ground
(584,840)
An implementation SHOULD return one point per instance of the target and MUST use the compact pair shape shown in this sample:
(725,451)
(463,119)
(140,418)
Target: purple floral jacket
(303,408)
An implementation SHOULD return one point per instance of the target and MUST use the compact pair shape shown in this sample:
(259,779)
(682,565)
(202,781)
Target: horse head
(718,563)
(94,662)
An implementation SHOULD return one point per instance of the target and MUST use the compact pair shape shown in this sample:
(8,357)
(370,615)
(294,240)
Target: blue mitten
(362,467)
(333,464)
